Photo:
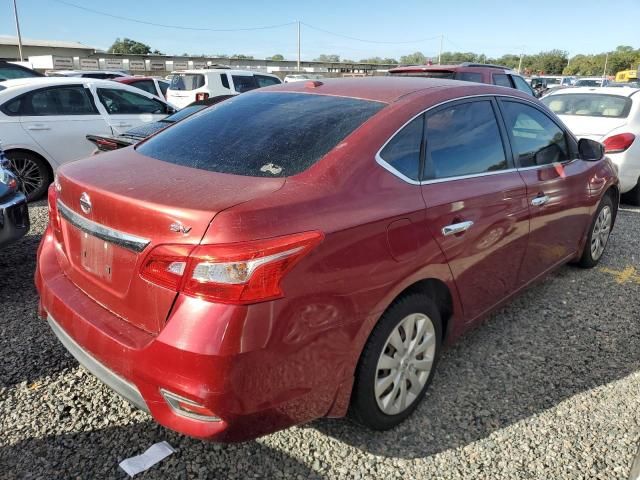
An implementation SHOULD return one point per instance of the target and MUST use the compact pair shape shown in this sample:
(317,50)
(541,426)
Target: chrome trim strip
(381,161)
(122,387)
(122,239)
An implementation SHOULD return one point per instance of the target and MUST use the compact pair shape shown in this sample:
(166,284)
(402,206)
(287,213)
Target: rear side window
(261,134)
(225,80)
(403,150)
(146,85)
(469,77)
(71,100)
(244,83)
(187,81)
(264,81)
(589,104)
(464,139)
(123,102)
(12,107)
(535,138)
(502,80)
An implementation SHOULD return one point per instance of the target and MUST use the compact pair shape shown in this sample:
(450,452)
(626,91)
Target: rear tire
(632,197)
(599,232)
(32,170)
(397,363)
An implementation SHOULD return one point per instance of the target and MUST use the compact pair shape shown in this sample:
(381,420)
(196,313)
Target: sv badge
(179,228)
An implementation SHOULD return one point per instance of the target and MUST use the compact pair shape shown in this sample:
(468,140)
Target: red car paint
(269,365)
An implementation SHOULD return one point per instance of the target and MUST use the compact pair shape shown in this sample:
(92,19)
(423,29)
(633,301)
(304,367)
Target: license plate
(96,256)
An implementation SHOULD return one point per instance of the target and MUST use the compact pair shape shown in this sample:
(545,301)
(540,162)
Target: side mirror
(170,110)
(590,150)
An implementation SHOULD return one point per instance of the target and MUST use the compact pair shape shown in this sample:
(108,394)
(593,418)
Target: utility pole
(298,45)
(520,63)
(440,54)
(15,13)
(604,72)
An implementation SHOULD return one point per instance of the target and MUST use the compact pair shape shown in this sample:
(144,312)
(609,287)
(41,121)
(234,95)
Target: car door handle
(539,200)
(38,127)
(455,228)
(122,125)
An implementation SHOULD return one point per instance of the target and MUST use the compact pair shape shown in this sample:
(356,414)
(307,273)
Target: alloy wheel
(600,233)
(28,172)
(405,363)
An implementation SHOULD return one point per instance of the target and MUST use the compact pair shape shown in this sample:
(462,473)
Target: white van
(193,85)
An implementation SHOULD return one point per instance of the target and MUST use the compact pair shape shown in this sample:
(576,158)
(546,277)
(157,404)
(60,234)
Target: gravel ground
(548,388)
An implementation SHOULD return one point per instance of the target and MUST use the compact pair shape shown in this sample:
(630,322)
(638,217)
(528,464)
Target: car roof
(620,92)
(387,89)
(204,71)
(44,81)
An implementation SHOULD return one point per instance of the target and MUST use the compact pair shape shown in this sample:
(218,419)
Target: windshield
(261,134)
(184,113)
(187,81)
(589,105)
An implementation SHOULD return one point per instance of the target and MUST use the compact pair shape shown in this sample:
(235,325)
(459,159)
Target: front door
(476,202)
(557,187)
(125,109)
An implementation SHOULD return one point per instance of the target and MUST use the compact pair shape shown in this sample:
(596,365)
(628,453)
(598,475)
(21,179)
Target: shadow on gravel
(28,349)
(96,454)
(575,331)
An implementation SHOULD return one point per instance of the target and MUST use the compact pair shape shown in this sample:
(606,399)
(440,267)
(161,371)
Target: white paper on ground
(153,455)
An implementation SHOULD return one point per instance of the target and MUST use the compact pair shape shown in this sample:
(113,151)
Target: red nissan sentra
(306,250)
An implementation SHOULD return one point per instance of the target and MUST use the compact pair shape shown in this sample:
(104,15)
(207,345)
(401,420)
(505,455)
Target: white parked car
(100,74)
(611,116)
(195,85)
(44,121)
(591,82)
(301,77)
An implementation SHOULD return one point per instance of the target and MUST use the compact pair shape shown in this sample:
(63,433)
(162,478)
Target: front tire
(598,234)
(397,363)
(32,171)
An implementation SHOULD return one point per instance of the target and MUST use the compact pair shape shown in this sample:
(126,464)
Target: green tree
(333,58)
(126,46)
(240,56)
(384,61)
(416,58)
(276,57)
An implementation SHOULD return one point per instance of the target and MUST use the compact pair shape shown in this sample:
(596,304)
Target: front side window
(146,85)
(261,134)
(71,100)
(265,81)
(244,83)
(123,102)
(589,105)
(501,79)
(464,139)
(535,138)
(403,150)
(521,84)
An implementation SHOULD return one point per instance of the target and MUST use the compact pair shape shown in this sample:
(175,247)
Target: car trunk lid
(116,207)
(594,128)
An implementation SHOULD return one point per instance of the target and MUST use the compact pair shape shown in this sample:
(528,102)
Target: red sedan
(306,250)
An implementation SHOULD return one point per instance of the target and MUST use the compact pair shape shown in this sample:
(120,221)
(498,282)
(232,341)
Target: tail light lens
(201,96)
(106,145)
(54,215)
(618,143)
(238,273)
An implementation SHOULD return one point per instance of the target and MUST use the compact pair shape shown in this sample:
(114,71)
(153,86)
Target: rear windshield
(187,81)
(589,105)
(8,72)
(261,134)
(430,74)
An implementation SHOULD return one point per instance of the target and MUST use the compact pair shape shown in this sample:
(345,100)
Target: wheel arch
(614,192)
(31,151)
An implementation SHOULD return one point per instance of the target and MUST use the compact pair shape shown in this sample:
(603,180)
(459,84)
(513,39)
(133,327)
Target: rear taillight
(618,143)
(238,273)
(201,96)
(54,215)
(106,145)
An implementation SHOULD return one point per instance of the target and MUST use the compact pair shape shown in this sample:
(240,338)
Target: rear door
(557,185)
(125,109)
(476,201)
(58,118)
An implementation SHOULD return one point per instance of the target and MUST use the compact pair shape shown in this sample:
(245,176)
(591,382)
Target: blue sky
(494,27)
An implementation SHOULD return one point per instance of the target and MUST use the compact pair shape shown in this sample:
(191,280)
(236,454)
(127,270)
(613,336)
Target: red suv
(468,72)
(306,250)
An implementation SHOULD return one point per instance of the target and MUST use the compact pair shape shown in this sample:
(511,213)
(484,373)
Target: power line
(178,27)
(367,41)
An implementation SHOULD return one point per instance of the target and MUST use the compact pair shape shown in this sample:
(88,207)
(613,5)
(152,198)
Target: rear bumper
(228,359)
(14,218)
